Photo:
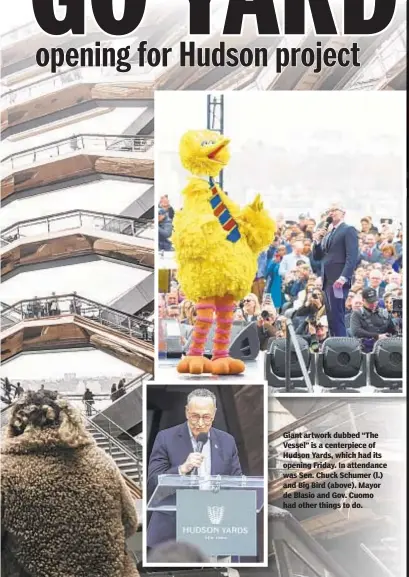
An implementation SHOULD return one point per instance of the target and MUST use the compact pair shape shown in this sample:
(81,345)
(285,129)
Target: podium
(217,514)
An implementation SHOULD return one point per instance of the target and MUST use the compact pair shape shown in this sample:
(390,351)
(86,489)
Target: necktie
(329,238)
(223,215)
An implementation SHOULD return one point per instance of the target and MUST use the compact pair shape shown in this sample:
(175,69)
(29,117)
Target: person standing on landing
(337,248)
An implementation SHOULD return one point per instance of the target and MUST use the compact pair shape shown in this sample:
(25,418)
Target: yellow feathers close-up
(208,263)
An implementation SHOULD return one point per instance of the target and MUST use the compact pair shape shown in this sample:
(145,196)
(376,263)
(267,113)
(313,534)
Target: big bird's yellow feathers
(209,265)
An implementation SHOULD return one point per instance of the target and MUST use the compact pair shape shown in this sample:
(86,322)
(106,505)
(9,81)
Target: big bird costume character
(216,249)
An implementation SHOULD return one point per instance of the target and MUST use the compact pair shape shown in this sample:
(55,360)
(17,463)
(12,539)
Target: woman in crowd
(274,282)
(251,308)
(113,392)
(388,300)
(187,313)
(388,254)
(66,510)
(367,226)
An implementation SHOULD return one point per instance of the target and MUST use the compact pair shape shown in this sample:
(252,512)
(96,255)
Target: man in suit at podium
(175,452)
(336,247)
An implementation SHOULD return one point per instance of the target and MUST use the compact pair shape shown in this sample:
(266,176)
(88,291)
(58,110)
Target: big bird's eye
(204,143)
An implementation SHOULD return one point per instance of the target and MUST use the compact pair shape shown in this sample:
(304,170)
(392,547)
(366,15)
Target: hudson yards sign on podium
(220,523)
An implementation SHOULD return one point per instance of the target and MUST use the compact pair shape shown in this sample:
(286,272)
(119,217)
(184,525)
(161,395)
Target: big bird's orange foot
(227,366)
(194,365)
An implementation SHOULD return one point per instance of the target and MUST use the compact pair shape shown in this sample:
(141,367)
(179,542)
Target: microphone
(326,226)
(201,441)
(328,222)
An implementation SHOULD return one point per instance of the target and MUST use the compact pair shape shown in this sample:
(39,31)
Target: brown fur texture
(66,510)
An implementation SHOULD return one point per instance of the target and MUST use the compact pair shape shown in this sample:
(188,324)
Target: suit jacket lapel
(216,452)
(186,442)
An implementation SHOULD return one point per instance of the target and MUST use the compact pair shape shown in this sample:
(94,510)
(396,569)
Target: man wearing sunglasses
(176,451)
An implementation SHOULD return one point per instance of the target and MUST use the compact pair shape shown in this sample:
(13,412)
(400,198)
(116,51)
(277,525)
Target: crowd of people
(289,284)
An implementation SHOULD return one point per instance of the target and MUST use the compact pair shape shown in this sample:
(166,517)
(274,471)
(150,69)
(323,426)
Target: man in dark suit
(338,250)
(371,252)
(376,282)
(175,452)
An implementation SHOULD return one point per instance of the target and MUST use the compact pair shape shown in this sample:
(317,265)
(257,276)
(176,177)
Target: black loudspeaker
(275,364)
(246,345)
(341,365)
(342,357)
(385,364)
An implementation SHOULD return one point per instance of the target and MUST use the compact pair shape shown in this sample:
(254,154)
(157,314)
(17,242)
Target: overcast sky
(284,118)
(301,150)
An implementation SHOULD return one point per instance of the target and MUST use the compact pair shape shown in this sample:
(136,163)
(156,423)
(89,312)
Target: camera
(397,306)
(313,321)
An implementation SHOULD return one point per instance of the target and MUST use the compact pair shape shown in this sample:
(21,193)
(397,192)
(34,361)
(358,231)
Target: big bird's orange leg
(195,363)
(222,364)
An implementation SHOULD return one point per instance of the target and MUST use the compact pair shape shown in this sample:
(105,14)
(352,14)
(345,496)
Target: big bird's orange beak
(218,147)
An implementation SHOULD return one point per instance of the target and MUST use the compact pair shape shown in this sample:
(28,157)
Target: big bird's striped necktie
(223,215)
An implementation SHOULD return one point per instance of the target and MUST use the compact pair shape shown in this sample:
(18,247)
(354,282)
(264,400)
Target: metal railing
(137,381)
(9,317)
(378,562)
(4,241)
(296,552)
(6,399)
(91,143)
(19,33)
(137,227)
(25,31)
(130,446)
(60,80)
(73,304)
(128,387)
(378,69)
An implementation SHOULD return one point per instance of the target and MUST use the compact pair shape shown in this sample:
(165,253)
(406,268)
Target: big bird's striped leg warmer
(195,363)
(222,364)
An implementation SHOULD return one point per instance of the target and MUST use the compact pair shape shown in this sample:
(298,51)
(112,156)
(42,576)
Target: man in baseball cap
(370,298)
(371,323)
